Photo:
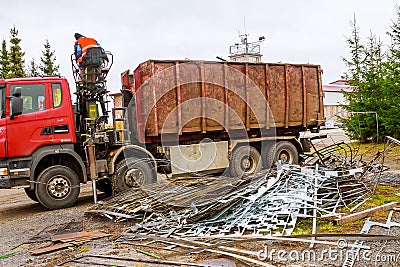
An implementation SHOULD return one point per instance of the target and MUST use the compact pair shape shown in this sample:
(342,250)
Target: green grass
(383,195)
(369,150)
(329,227)
(304,227)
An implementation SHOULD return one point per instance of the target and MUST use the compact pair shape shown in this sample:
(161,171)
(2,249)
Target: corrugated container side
(184,97)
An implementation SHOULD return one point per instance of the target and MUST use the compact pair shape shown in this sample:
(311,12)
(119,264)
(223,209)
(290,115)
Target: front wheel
(58,187)
(133,172)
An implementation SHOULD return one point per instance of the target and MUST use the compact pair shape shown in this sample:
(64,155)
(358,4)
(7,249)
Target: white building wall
(332,108)
(333,98)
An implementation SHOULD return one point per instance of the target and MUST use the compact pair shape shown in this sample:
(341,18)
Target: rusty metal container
(222,97)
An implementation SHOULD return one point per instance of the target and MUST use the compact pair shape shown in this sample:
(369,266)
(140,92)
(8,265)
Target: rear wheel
(133,172)
(31,194)
(58,187)
(284,151)
(245,160)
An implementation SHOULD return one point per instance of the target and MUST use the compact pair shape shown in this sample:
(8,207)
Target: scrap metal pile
(266,203)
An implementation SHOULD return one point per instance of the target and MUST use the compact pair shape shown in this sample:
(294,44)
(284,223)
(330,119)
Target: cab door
(28,131)
(3,124)
(62,126)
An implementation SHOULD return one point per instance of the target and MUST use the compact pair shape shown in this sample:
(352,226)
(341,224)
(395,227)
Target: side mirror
(16,106)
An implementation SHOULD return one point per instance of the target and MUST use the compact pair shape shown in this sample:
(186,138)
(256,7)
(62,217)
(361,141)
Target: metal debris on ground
(266,203)
(226,212)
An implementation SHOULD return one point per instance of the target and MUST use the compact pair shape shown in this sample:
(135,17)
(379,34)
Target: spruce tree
(366,73)
(392,82)
(375,75)
(16,56)
(357,56)
(33,69)
(48,66)
(4,61)
(395,34)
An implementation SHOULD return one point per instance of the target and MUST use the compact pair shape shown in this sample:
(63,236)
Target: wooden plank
(77,235)
(365,213)
(50,248)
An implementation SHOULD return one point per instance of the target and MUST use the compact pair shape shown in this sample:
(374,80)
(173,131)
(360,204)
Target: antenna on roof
(244,23)
(246,51)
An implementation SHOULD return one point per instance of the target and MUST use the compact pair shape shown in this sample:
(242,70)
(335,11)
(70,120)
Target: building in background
(333,99)
(117,99)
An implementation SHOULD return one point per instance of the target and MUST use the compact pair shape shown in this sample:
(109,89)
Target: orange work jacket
(85,44)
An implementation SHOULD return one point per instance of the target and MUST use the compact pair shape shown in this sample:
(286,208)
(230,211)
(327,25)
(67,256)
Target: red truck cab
(40,136)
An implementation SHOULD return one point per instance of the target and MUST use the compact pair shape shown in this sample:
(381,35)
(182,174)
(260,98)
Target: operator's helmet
(77,36)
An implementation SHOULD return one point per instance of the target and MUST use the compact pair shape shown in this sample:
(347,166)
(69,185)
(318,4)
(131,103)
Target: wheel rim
(134,177)
(58,187)
(248,164)
(285,157)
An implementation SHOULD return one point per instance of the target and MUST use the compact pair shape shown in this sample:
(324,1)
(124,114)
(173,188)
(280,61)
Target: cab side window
(57,94)
(33,95)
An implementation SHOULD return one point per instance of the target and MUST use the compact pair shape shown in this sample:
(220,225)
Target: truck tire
(284,151)
(31,194)
(133,172)
(265,148)
(245,160)
(58,187)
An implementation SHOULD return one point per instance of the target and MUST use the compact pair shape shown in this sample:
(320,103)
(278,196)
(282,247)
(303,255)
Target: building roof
(340,82)
(337,88)
(115,94)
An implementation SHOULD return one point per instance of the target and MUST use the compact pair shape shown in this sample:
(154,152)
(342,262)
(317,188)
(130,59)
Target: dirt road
(15,204)
(21,218)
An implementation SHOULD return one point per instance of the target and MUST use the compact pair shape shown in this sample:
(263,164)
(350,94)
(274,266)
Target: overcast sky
(307,31)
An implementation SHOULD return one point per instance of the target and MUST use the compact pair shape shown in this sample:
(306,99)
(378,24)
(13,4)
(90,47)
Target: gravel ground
(72,217)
